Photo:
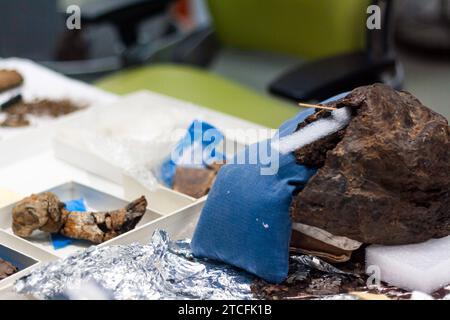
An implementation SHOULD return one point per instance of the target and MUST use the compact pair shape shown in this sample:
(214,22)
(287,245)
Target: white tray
(95,201)
(28,255)
(148,109)
(180,224)
(41,82)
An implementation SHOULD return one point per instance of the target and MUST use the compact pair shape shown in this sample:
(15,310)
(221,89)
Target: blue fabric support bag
(245,221)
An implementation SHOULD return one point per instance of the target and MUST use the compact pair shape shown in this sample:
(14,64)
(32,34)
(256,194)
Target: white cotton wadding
(423,267)
(314,131)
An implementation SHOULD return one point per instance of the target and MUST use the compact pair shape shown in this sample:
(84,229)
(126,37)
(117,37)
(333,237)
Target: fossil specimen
(195,182)
(47,213)
(9,79)
(383,179)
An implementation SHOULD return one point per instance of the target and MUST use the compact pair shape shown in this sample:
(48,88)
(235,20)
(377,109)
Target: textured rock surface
(195,182)
(6,269)
(388,180)
(38,211)
(98,227)
(47,213)
(9,79)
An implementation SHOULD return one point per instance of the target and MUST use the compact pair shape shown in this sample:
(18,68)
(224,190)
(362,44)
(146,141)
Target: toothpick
(316,106)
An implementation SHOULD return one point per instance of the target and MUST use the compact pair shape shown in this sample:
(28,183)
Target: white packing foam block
(423,267)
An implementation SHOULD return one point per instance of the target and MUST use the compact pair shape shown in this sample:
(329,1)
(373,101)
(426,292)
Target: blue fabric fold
(245,221)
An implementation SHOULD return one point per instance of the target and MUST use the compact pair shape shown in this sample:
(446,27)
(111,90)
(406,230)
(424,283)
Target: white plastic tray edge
(180,224)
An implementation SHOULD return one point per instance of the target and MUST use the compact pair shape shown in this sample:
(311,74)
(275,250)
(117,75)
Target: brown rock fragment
(9,79)
(44,107)
(387,180)
(6,269)
(15,121)
(39,211)
(46,213)
(195,182)
(98,227)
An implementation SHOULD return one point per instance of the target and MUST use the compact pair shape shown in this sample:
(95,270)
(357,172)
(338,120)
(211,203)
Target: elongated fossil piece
(47,213)
(98,227)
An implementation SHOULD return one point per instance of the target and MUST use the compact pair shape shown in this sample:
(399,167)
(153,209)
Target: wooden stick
(316,106)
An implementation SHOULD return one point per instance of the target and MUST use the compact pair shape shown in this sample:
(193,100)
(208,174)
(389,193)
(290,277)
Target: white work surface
(41,83)
(27,163)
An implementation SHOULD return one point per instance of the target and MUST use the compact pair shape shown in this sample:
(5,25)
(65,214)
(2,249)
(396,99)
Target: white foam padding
(423,267)
(314,131)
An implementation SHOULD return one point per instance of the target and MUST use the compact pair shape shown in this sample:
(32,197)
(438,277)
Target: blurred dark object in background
(137,25)
(330,55)
(423,27)
(113,32)
(29,28)
(376,62)
(72,46)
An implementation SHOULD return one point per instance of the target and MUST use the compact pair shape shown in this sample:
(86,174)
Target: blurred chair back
(302,28)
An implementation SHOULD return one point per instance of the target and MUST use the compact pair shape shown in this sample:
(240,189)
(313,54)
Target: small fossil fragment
(39,211)
(9,79)
(98,227)
(44,107)
(10,88)
(18,111)
(47,213)
(195,182)
(15,121)
(6,269)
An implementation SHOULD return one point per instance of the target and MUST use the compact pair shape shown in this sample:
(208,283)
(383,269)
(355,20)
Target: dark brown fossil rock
(386,180)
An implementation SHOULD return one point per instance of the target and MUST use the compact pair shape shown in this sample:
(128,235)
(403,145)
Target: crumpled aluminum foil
(163,269)
(301,267)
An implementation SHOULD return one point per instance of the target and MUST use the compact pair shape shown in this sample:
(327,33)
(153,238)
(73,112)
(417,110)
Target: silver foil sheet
(166,269)
(163,269)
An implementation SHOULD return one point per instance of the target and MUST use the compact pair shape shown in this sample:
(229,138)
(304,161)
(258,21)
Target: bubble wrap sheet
(163,269)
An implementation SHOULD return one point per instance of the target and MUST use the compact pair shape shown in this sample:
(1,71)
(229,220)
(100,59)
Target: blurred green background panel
(203,88)
(308,29)
(304,28)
